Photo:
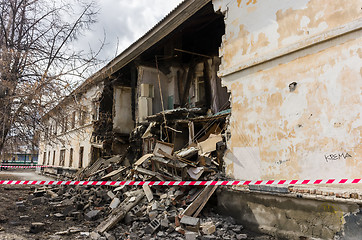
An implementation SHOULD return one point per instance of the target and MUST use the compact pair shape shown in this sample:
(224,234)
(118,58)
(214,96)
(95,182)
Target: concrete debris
(94,236)
(109,236)
(166,212)
(92,215)
(111,194)
(37,227)
(208,228)
(191,235)
(153,226)
(20,207)
(190,221)
(115,202)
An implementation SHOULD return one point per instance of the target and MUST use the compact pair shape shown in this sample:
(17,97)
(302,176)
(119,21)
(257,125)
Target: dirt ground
(15,227)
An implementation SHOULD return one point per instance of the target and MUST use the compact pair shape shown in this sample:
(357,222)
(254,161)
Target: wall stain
(321,14)
(257,119)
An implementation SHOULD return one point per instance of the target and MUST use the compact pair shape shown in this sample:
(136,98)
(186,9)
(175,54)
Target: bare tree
(38,63)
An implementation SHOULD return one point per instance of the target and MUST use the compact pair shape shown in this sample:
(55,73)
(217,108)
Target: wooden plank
(205,201)
(190,210)
(143,159)
(98,171)
(146,171)
(120,212)
(115,172)
(148,192)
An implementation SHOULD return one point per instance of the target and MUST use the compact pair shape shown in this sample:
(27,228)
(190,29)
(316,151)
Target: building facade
(279,80)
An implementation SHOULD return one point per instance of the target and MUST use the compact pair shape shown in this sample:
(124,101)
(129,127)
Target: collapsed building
(275,85)
(163,89)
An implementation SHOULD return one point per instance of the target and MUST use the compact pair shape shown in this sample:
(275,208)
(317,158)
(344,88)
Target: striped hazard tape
(184,183)
(36,166)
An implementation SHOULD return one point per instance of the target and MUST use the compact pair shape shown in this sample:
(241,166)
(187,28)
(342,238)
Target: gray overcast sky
(124,21)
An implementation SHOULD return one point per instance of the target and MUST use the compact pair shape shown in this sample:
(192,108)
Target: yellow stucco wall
(315,130)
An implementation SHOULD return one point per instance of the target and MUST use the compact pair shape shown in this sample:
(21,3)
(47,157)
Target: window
(95,116)
(44,158)
(48,158)
(53,158)
(56,128)
(71,157)
(82,115)
(81,151)
(73,120)
(62,157)
(64,124)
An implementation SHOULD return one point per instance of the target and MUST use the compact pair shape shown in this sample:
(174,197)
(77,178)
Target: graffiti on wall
(336,156)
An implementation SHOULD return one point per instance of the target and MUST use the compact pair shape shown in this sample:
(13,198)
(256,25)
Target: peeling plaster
(283,23)
(306,133)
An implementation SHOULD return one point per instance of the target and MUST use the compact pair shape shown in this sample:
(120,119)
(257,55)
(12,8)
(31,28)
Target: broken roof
(164,27)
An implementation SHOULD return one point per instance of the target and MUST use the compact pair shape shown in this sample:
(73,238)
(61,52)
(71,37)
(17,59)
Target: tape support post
(184,183)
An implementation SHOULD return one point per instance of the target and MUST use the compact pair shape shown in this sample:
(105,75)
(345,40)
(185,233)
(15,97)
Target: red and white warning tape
(184,183)
(36,166)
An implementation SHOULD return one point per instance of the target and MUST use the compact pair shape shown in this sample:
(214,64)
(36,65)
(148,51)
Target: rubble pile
(150,212)
(128,212)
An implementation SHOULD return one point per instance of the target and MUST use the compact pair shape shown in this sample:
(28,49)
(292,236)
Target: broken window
(81,151)
(71,157)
